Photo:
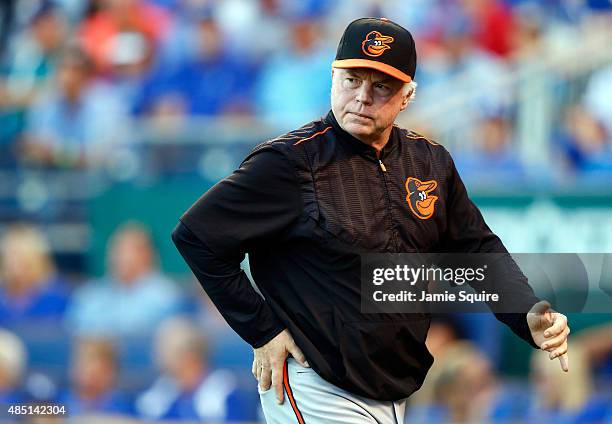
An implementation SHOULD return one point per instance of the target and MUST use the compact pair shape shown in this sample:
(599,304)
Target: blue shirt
(47,301)
(112,402)
(217,398)
(107,307)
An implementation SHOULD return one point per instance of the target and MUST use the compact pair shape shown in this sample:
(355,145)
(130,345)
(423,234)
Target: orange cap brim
(372,64)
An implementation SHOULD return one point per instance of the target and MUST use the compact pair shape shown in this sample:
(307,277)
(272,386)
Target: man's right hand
(269,360)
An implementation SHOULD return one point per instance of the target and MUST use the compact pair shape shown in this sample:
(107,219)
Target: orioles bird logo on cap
(375,43)
(418,198)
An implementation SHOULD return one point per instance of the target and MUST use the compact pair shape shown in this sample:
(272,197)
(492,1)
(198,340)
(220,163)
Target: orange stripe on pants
(298,414)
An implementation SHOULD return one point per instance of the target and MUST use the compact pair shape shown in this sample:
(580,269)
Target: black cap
(378,43)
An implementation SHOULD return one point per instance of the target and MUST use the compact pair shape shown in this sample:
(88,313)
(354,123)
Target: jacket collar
(359,146)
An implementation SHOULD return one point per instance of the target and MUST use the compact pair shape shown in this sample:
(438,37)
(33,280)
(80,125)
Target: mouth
(425,204)
(379,48)
(361,115)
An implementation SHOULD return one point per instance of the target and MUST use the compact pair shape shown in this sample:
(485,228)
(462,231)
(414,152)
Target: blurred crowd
(464,385)
(79,79)
(132,343)
(137,344)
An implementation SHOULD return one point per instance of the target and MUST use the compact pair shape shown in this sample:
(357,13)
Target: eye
(382,88)
(351,82)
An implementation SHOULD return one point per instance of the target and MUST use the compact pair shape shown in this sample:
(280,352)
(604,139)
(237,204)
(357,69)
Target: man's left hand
(549,330)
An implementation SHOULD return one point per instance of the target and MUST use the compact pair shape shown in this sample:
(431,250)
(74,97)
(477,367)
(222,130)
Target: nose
(364,94)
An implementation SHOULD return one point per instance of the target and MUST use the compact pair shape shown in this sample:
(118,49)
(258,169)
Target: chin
(358,129)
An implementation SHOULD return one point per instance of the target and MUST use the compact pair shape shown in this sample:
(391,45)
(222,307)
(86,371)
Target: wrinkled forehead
(367,74)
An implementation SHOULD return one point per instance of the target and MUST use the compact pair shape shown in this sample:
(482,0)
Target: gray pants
(309,399)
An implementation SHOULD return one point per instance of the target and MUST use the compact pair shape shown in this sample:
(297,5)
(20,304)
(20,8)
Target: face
(72,78)
(92,372)
(130,256)
(49,31)
(366,102)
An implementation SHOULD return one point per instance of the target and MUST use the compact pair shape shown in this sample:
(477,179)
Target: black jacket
(304,205)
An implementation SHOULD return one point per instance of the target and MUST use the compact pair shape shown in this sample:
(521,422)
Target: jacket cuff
(521,329)
(269,336)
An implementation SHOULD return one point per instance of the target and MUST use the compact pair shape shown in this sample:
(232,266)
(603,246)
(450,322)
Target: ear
(405,102)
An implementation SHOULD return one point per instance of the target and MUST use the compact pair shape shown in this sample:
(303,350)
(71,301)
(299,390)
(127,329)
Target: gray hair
(410,90)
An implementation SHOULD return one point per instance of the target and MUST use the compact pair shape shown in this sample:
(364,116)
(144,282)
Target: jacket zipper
(382,165)
(383,168)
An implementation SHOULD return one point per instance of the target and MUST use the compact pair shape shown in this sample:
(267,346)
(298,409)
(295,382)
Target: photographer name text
(462,296)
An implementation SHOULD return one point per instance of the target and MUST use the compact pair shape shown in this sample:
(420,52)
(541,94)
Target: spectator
(248,24)
(528,39)
(493,23)
(461,387)
(598,98)
(31,62)
(228,349)
(131,65)
(133,298)
(78,121)
(307,60)
(586,137)
(188,388)
(30,287)
(94,372)
(570,397)
(483,79)
(117,19)
(493,158)
(212,82)
(585,143)
(13,362)
(577,398)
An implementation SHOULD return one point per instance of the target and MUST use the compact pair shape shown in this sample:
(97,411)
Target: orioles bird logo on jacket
(420,201)
(375,43)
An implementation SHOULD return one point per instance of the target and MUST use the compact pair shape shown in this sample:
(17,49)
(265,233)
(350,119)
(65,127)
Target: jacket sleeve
(255,205)
(467,232)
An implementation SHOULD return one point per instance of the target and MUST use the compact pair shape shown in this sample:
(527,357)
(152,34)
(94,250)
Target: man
(140,296)
(79,120)
(188,387)
(94,372)
(304,206)
(31,290)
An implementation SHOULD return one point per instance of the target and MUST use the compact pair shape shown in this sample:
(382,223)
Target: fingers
(554,342)
(561,353)
(562,350)
(564,360)
(270,361)
(555,336)
(558,326)
(298,355)
(277,382)
(268,376)
(265,377)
